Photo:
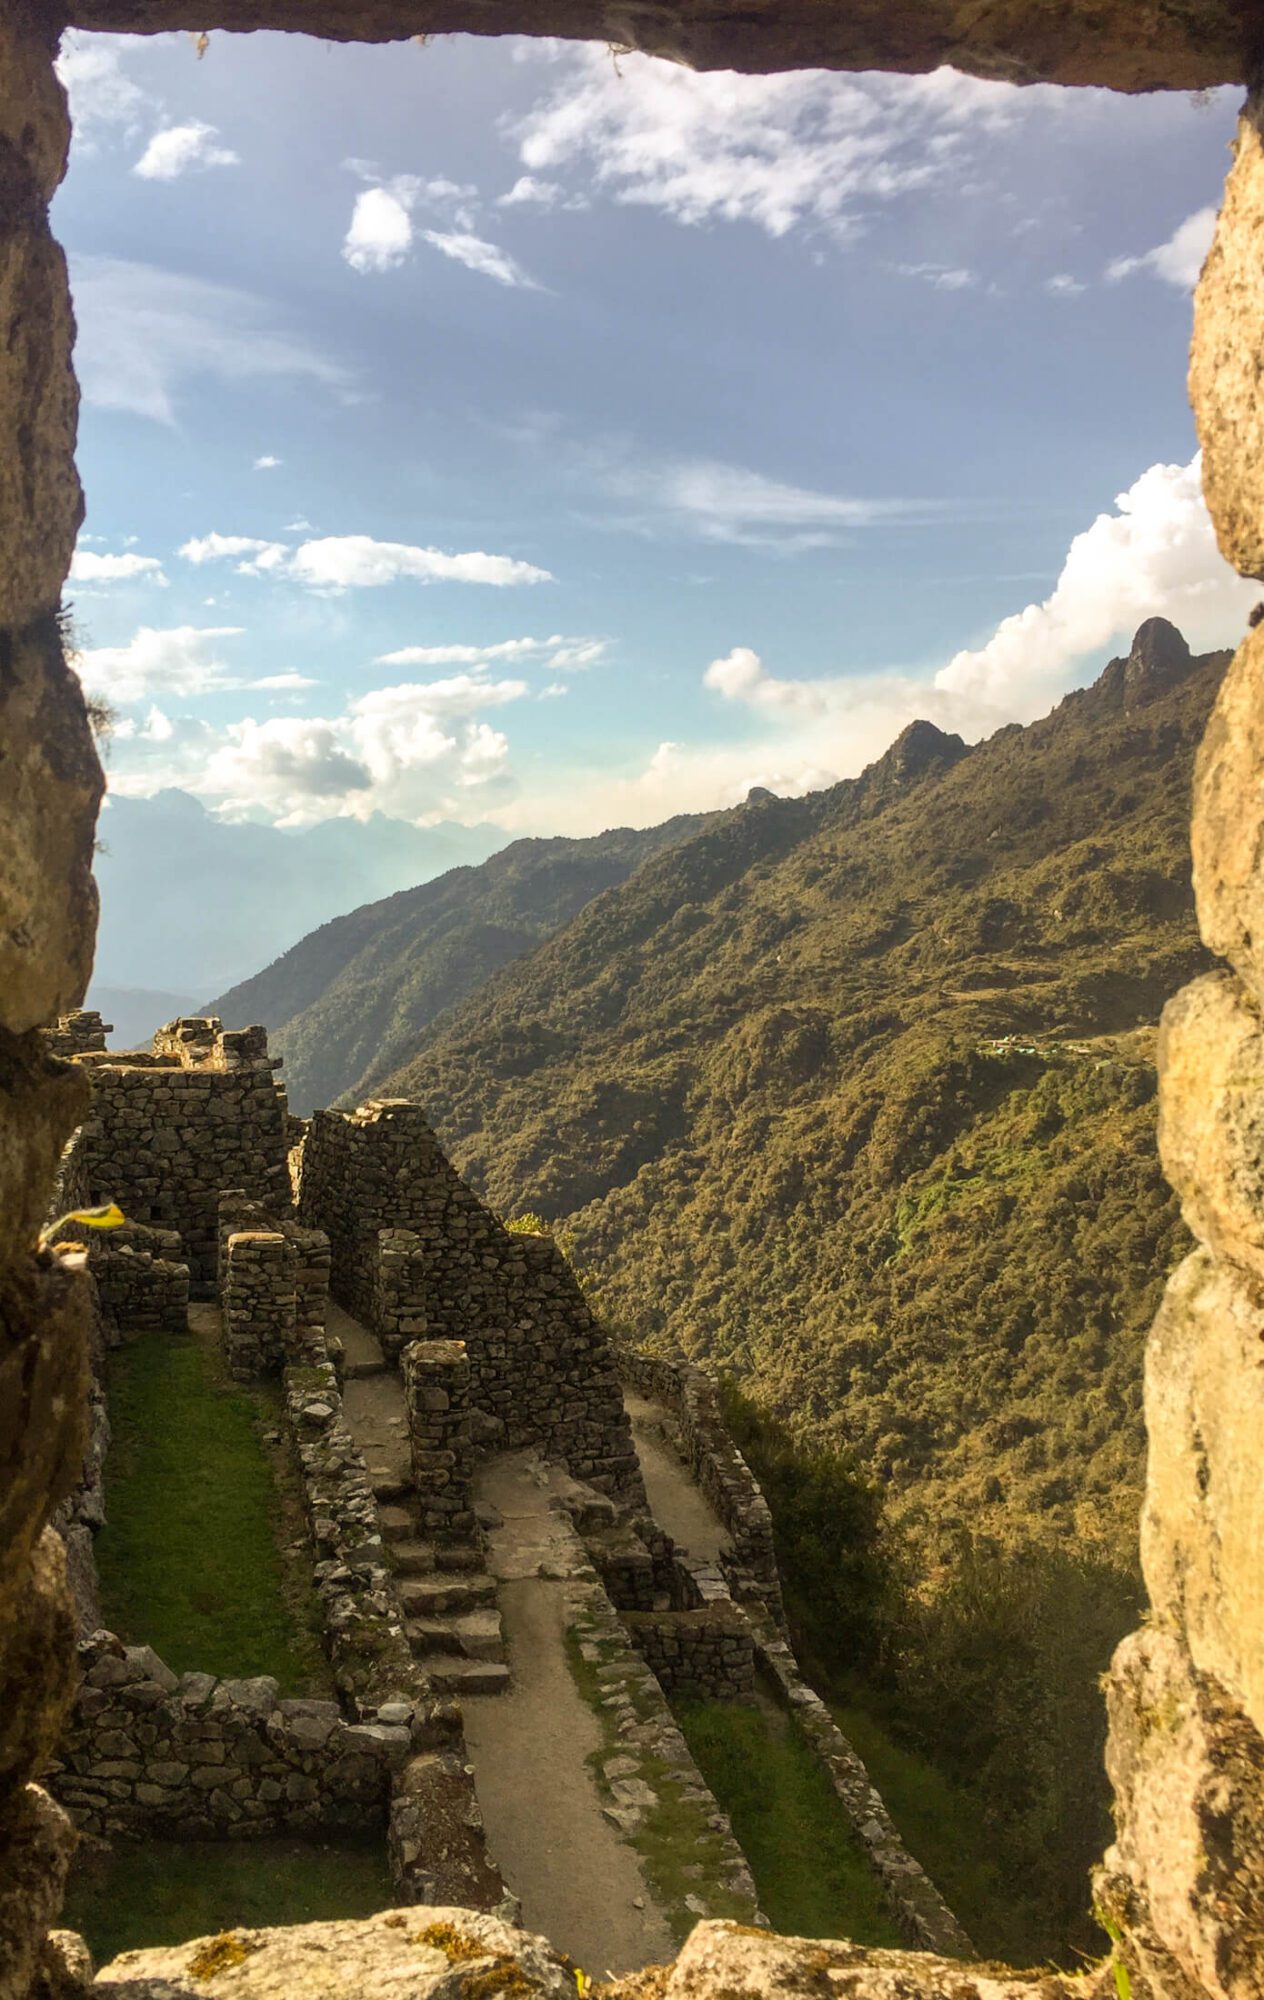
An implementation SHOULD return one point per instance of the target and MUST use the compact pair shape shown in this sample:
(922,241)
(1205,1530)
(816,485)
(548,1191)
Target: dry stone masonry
(413,1250)
(436,1395)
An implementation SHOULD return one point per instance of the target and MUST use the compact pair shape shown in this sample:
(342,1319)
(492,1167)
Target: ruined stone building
(1183,1883)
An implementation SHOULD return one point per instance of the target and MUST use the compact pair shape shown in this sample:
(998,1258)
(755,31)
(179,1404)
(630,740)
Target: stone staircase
(449,1600)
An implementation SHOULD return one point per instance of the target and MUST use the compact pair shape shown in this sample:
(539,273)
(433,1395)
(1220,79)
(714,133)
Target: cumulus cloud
(808,149)
(1156,553)
(180,660)
(146,334)
(349,562)
(183,149)
(1178,261)
(742,676)
(267,463)
(89,567)
(381,232)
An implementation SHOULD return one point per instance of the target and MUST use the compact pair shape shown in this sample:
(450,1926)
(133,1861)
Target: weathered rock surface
(1228,827)
(36,1843)
(1211,1116)
(1188,1771)
(1203,1525)
(428,1953)
(1224,374)
(1127,44)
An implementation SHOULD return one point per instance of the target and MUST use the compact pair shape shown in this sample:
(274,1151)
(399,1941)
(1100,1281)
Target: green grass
(164,1891)
(941,1828)
(812,1875)
(200,1509)
(683,1856)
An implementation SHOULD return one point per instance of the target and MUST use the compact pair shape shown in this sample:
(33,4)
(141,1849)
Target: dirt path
(372,1402)
(675,1501)
(580,1883)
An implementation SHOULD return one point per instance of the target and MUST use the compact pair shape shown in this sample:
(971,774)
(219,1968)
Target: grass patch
(683,1856)
(813,1877)
(205,1555)
(942,1828)
(155,1892)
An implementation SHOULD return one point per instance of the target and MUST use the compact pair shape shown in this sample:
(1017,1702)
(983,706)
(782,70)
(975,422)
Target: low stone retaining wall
(718,1467)
(916,1904)
(708,1654)
(148,1750)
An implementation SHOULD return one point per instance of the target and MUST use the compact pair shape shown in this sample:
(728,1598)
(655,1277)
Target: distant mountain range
(190,902)
(853,1093)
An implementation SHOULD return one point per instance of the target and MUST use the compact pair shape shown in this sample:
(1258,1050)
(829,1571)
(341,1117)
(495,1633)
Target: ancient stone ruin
(1183,1884)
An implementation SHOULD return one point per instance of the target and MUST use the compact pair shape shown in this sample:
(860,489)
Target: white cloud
(350,562)
(287,765)
(181,149)
(730,503)
(1156,554)
(147,334)
(284,682)
(478,255)
(88,567)
(102,96)
(944,277)
(742,676)
(342,562)
(527,191)
(572,653)
(806,149)
(1063,286)
(381,231)
(181,660)
(268,463)
(1178,261)
(553,690)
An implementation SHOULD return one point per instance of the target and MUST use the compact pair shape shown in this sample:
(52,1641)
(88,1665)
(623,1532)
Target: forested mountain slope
(855,1093)
(353,996)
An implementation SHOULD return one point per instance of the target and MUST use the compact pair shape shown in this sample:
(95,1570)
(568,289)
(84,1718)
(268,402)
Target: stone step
(398,1524)
(475,1635)
(388,1485)
(413,1559)
(458,1555)
(464,1677)
(358,1367)
(423,1596)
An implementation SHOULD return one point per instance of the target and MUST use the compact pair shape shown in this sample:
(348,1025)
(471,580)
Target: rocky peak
(1159,658)
(917,747)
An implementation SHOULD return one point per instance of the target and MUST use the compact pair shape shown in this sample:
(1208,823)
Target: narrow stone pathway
(677,1504)
(579,1881)
(448,1599)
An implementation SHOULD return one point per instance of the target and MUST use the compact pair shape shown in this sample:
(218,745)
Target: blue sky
(487,430)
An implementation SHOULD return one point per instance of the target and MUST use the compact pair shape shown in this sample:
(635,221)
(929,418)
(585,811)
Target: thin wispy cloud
(147,335)
(557,653)
(478,255)
(731,503)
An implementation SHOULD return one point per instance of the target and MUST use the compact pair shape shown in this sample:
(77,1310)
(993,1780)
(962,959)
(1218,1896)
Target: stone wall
(440,1442)
(142,1285)
(540,1366)
(166,1135)
(704,1655)
(716,1463)
(259,1299)
(147,1751)
(81,1032)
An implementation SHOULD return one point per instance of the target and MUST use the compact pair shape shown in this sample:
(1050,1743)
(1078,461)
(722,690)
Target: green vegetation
(350,999)
(157,1892)
(194,1560)
(811,1873)
(683,1856)
(854,1095)
(968,1670)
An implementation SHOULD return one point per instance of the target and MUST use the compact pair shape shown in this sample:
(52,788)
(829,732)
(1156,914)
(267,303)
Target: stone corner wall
(706,1654)
(413,1250)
